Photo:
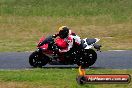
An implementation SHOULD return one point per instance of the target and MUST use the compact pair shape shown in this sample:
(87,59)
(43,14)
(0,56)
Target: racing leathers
(70,40)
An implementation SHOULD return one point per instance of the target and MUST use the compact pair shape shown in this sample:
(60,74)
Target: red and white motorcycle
(82,55)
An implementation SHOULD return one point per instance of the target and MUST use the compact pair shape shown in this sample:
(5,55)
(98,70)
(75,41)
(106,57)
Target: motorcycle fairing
(88,43)
(48,40)
(44,47)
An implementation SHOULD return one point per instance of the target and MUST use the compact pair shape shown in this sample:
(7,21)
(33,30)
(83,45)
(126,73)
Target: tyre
(38,60)
(88,58)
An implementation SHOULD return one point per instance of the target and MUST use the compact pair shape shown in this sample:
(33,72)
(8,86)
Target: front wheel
(38,60)
(88,58)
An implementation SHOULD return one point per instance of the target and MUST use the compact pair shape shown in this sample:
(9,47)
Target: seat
(90,41)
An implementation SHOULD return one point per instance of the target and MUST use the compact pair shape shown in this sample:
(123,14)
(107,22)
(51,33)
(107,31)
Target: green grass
(23,22)
(54,78)
(120,9)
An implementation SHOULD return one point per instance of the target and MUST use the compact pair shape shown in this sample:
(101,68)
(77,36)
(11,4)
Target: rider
(69,37)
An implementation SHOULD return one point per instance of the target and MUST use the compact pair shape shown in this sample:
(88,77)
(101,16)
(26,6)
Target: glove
(55,35)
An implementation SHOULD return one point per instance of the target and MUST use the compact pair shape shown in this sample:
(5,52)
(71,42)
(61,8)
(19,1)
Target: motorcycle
(82,55)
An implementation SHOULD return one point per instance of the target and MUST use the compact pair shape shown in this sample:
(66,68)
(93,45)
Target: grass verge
(21,33)
(54,78)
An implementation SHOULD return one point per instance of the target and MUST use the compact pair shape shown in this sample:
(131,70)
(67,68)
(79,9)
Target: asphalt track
(106,60)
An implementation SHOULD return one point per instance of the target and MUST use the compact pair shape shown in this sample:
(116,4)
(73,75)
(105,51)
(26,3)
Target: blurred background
(23,22)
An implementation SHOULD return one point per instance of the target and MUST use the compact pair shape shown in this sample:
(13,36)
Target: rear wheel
(88,58)
(38,60)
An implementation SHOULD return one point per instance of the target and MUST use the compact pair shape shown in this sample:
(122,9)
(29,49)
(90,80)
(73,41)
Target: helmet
(63,32)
